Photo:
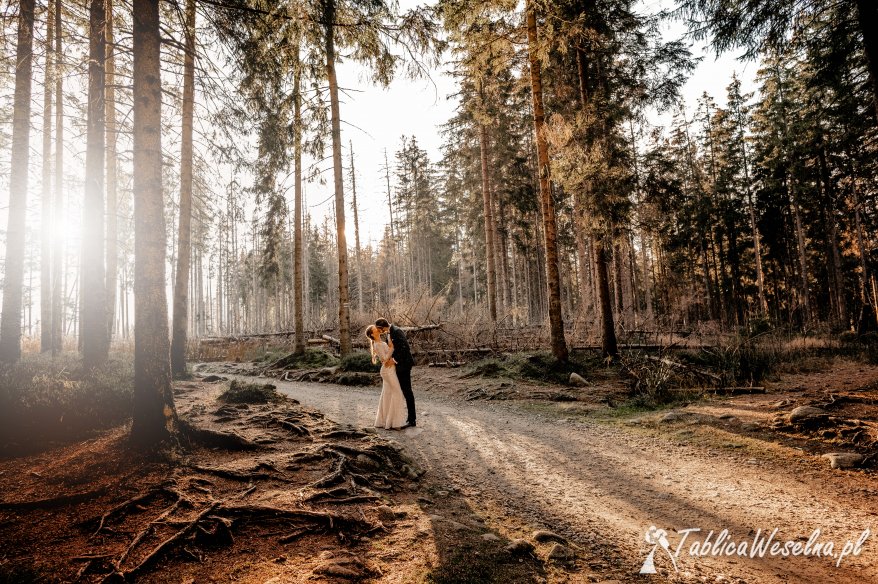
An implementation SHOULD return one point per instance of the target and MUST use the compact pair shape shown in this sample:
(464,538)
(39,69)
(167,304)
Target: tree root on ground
(216,439)
(53,502)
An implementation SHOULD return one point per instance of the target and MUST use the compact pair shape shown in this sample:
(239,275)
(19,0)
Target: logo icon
(657,538)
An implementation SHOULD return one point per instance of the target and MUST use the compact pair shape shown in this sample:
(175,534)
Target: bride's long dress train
(392,412)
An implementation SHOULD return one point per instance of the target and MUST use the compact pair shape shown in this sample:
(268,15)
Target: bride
(392,412)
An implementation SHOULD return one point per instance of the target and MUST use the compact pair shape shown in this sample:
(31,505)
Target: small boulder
(561,553)
(577,380)
(520,547)
(673,416)
(385,514)
(213,379)
(843,460)
(490,537)
(543,536)
(807,414)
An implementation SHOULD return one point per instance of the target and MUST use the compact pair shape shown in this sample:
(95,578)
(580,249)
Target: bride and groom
(396,406)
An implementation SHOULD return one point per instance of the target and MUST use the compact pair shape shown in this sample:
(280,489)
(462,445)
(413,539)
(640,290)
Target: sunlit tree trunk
(58,250)
(298,251)
(488,214)
(184,230)
(93,320)
(46,230)
(329,8)
(553,281)
(10,322)
(112,197)
(357,250)
(154,413)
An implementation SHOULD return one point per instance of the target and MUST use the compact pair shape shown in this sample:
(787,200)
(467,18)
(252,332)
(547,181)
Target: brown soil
(502,459)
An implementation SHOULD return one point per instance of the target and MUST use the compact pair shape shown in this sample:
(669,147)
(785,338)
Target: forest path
(602,486)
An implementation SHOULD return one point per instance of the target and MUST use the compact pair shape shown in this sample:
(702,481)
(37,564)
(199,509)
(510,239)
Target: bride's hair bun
(369,330)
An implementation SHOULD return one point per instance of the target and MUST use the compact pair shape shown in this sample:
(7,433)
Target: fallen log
(446,364)
(419,329)
(678,365)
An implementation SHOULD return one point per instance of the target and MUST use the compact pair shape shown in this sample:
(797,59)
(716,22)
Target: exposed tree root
(53,502)
(246,475)
(145,497)
(216,439)
(169,542)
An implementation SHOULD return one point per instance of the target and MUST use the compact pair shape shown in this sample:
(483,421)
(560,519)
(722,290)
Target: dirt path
(602,486)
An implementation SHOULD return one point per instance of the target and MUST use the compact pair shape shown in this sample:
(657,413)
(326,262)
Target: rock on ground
(803,414)
(842,460)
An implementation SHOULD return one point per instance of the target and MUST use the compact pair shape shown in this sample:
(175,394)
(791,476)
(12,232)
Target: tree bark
(46,230)
(58,220)
(490,264)
(609,345)
(344,335)
(10,322)
(184,228)
(155,417)
(357,250)
(93,321)
(298,251)
(553,281)
(112,162)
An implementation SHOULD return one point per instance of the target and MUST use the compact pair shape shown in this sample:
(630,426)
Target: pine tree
(184,234)
(93,319)
(10,326)
(155,417)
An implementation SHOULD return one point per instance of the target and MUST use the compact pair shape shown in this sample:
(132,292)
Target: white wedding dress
(392,412)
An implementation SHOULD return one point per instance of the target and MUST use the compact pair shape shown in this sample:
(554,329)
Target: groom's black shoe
(409,424)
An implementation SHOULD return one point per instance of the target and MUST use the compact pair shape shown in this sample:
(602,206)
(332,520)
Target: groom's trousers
(404,374)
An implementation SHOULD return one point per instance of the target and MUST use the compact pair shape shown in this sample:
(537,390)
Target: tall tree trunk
(58,220)
(800,248)
(490,264)
(184,231)
(93,322)
(609,346)
(10,322)
(357,250)
(112,160)
(344,325)
(553,280)
(298,252)
(867,16)
(389,198)
(835,270)
(155,417)
(46,230)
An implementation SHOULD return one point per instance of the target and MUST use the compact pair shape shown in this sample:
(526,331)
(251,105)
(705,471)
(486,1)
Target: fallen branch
(678,365)
(409,330)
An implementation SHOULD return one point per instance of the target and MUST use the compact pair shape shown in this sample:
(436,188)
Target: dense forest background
(556,204)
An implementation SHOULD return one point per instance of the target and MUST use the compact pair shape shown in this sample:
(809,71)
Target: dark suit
(402,353)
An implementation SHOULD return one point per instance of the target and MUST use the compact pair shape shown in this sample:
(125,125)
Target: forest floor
(501,481)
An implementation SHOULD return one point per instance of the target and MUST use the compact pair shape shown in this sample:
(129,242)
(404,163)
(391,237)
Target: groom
(402,354)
